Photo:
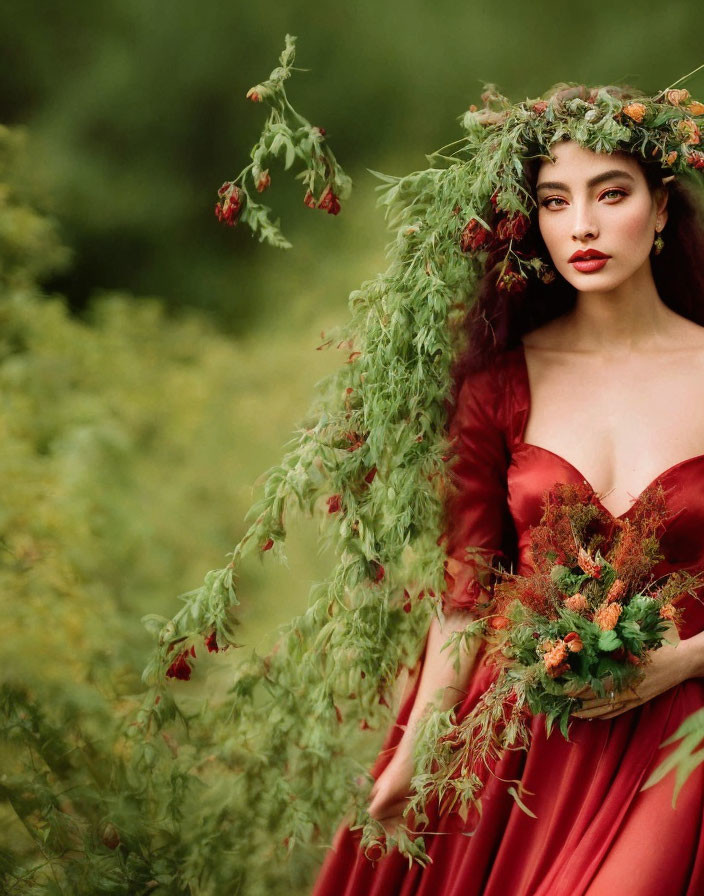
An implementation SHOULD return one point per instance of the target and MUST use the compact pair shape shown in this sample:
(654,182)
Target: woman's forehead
(579,163)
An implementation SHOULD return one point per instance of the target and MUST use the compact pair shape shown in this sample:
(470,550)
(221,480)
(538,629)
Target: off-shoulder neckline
(521,445)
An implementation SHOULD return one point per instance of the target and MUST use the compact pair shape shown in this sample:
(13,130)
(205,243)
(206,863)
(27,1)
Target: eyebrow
(592,182)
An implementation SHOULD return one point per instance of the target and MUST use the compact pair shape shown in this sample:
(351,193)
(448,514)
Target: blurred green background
(153,363)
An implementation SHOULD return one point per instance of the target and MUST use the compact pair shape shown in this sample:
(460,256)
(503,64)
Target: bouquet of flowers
(588,614)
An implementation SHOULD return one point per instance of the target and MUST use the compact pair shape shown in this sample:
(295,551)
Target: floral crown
(502,136)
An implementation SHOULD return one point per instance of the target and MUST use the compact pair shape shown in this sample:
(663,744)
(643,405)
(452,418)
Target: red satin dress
(595,832)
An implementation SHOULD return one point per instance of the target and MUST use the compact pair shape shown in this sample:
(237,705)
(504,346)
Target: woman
(598,379)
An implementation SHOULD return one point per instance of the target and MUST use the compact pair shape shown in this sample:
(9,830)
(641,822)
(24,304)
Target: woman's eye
(546,202)
(613,192)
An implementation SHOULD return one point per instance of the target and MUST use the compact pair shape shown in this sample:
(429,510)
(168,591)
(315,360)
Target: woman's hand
(390,792)
(668,666)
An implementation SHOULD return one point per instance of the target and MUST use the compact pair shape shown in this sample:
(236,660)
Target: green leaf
(290,154)
(519,802)
(609,641)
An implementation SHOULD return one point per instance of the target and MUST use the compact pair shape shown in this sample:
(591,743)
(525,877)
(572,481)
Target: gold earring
(658,244)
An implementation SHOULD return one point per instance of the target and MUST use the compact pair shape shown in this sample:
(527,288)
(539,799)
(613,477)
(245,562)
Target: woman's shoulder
(486,393)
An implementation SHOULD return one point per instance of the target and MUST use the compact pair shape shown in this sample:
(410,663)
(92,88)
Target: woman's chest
(619,425)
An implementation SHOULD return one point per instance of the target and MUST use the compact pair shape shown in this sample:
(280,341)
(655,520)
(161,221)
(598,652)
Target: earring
(658,244)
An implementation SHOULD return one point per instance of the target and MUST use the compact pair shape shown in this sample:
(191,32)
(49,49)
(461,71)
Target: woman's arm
(440,686)
(694,655)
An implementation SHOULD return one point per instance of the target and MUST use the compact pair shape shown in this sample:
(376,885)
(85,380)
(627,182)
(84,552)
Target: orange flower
(636,111)
(574,642)
(539,107)
(607,616)
(667,611)
(500,622)
(695,108)
(676,97)
(671,157)
(577,603)
(687,131)
(588,564)
(616,591)
(555,660)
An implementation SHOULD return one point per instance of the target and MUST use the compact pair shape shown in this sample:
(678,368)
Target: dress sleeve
(476,512)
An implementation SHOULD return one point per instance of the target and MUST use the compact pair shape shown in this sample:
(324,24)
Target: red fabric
(596,833)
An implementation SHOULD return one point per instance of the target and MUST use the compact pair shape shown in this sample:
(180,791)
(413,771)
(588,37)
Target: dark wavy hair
(498,320)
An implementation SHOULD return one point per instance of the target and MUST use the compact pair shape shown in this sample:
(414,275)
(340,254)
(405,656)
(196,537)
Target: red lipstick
(588,260)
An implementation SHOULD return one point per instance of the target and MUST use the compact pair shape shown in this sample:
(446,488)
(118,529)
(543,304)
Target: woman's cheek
(633,229)
(558,245)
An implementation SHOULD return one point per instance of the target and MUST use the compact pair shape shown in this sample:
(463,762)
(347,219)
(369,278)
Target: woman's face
(597,203)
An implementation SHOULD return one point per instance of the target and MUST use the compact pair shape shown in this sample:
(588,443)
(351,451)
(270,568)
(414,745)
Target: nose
(584,226)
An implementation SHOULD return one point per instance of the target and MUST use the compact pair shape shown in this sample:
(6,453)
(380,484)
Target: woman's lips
(586,265)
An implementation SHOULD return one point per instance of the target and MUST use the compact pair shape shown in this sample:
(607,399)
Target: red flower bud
(369,478)
(355,439)
(329,202)
(180,668)
(334,503)
(229,208)
(511,282)
(211,642)
(378,571)
(263,181)
(268,544)
(514,227)
(474,236)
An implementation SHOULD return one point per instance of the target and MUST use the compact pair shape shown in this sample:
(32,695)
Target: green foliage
(29,244)
(288,132)
(684,758)
(121,477)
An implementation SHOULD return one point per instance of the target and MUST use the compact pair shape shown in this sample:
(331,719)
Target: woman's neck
(630,318)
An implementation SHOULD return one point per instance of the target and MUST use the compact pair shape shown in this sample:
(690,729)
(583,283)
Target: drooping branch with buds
(287,132)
